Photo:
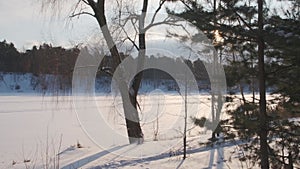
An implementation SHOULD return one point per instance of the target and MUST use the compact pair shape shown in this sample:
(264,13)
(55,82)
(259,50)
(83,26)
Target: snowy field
(34,129)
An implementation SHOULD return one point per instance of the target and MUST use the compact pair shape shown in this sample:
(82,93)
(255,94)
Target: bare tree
(97,9)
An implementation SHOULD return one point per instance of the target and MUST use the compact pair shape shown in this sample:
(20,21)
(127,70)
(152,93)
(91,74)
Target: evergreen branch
(281,69)
(243,20)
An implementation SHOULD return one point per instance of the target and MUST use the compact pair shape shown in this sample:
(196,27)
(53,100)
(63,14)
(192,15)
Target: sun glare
(218,38)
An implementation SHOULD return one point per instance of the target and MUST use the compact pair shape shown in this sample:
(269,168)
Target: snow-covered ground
(35,128)
(43,131)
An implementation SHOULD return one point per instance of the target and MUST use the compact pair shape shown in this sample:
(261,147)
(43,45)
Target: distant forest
(46,59)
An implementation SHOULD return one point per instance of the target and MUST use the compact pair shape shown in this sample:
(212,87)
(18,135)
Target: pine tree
(246,44)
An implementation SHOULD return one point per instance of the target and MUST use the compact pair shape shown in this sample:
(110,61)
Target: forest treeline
(46,59)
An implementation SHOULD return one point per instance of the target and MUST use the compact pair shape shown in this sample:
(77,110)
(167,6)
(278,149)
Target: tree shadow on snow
(133,162)
(91,158)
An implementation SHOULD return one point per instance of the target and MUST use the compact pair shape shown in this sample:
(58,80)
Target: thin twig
(81,13)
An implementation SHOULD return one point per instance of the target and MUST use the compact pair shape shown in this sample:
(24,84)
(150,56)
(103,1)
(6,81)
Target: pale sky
(23,23)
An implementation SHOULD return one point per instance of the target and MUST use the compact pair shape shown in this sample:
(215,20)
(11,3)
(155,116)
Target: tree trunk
(290,165)
(185,119)
(213,134)
(242,92)
(134,130)
(263,122)
(137,132)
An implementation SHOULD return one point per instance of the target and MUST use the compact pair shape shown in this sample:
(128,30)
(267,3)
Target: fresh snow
(32,126)
(35,128)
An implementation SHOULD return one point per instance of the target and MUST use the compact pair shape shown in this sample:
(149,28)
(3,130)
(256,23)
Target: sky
(23,23)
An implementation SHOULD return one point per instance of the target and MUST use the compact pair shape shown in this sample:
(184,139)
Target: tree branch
(134,26)
(132,41)
(122,26)
(81,13)
(185,4)
(92,4)
(166,21)
(84,1)
(157,10)
(243,20)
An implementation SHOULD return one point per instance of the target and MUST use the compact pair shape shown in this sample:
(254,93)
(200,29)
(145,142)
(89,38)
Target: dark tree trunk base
(134,132)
